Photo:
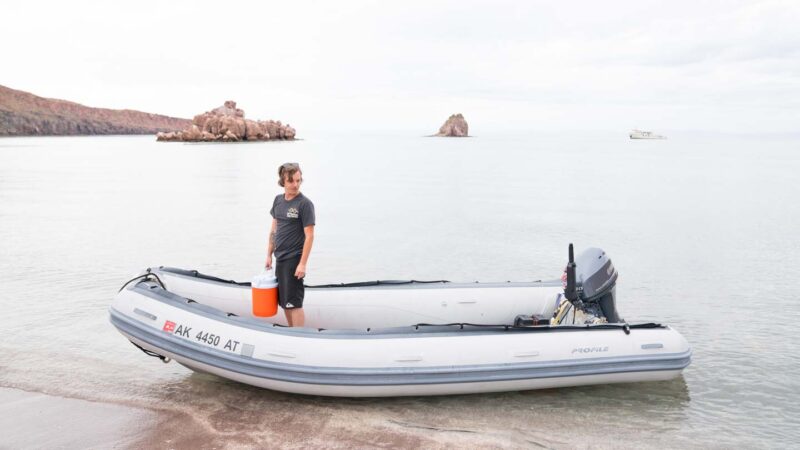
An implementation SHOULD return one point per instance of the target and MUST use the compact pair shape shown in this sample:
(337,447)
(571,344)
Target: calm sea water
(703,229)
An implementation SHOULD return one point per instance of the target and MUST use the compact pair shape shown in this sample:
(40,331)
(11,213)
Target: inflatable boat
(401,338)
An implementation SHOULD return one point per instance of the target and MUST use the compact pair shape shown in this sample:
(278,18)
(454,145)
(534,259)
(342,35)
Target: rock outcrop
(227,124)
(455,126)
(25,114)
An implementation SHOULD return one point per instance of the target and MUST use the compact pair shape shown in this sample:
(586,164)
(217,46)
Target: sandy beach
(250,418)
(36,420)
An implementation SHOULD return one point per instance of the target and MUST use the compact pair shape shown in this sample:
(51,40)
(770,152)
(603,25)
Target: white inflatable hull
(390,304)
(410,360)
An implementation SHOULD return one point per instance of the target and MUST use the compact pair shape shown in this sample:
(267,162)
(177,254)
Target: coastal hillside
(25,114)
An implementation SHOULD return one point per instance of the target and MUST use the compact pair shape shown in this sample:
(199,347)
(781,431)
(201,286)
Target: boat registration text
(210,339)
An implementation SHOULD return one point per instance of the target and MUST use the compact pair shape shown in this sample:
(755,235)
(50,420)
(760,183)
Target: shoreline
(37,420)
(253,418)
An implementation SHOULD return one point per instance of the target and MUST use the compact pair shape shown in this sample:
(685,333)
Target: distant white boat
(639,134)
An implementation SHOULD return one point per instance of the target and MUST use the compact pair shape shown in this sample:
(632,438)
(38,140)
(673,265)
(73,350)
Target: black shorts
(291,291)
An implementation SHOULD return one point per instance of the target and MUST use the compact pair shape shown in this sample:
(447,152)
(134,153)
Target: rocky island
(227,124)
(455,126)
(25,114)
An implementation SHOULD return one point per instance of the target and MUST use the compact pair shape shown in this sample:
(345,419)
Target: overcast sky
(595,65)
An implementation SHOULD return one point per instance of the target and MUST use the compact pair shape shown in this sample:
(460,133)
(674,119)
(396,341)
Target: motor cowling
(594,273)
(596,281)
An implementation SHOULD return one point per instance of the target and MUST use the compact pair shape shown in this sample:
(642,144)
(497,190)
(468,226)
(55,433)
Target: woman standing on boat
(291,238)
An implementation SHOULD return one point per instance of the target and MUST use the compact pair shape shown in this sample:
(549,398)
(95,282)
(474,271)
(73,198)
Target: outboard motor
(592,281)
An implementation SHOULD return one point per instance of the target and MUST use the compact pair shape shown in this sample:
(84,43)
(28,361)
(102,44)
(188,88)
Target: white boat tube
(379,304)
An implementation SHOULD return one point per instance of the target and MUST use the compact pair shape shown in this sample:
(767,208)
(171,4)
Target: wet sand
(35,420)
(230,415)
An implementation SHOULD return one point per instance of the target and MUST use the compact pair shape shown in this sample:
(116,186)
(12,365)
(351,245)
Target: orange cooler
(265,294)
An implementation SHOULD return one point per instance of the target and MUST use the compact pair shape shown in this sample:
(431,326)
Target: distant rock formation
(227,124)
(25,114)
(455,126)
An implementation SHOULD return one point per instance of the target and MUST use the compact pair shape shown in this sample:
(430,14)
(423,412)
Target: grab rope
(163,359)
(145,276)
(605,326)
(375,283)
(196,274)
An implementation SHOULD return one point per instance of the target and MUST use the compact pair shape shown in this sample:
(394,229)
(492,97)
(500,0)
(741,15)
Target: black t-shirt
(292,216)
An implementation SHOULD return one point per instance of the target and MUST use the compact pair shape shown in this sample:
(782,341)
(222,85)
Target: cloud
(368,64)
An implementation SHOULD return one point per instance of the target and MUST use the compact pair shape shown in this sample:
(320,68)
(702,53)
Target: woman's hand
(301,271)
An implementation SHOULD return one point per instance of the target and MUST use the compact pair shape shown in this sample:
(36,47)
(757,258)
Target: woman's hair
(287,171)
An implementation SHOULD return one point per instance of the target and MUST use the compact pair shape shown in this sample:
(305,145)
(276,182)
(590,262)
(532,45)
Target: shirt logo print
(292,213)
